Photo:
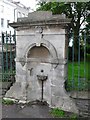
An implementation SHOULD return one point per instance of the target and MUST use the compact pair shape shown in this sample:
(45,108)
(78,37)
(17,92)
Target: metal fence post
(10,53)
(7,66)
(2,61)
(85,55)
(73,63)
(78,62)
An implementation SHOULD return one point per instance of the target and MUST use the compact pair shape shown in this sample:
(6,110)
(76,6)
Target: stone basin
(42,77)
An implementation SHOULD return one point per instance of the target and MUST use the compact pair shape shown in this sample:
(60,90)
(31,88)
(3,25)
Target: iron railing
(8,56)
(78,79)
(77,70)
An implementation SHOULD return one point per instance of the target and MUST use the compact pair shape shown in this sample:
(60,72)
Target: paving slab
(26,111)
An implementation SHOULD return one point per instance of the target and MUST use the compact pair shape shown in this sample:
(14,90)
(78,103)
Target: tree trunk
(76,42)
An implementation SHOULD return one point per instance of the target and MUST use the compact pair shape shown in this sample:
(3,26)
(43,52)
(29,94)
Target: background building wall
(9,12)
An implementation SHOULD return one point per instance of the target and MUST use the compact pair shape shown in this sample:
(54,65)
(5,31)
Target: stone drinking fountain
(41,60)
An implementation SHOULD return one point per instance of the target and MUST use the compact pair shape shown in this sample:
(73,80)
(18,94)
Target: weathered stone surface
(37,15)
(41,18)
(47,16)
(64,103)
(41,52)
(0,65)
(15,91)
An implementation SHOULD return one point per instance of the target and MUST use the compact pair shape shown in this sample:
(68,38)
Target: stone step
(84,107)
(85,114)
(83,104)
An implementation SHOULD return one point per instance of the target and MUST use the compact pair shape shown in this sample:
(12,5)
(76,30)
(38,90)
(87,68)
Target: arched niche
(39,52)
(43,43)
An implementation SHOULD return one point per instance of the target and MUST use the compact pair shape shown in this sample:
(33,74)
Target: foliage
(56,112)
(74,10)
(77,11)
(88,21)
(7,102)
(73,117)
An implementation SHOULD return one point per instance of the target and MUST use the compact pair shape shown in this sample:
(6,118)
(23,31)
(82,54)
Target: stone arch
(44,43)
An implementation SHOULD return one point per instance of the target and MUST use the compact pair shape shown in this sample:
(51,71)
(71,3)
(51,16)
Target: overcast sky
(28,3)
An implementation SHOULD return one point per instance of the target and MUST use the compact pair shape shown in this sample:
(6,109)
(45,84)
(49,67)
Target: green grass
(76,70)
(73,117)
(56,112)
(7,102)
(82,83)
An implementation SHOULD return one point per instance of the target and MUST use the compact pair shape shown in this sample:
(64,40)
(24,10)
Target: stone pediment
(37,15)
(41,18)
